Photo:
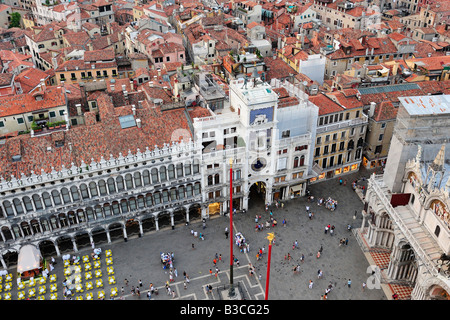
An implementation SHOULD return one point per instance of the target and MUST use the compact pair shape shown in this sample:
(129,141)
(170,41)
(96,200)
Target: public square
(138,259)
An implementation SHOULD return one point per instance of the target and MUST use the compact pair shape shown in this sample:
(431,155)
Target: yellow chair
(112,280)
(32,292)
(7,296)
(87,267)
(66,263)
(41,297)
(67,271)
(97,264)
(8,286)
(53,287)
(99,283)
(32,282)
(52,277)
(89,296)
(21,295)
(42,290)
(101,294)
(79,298)
(79,287)
(98,273)
(1,288)
(89,285)
(9,277)
(88,275)
(109,261)
(42,280)
(1,279)
(54,296)
(77,269)
(110,270)
(77,278)
(20,285)
(108,253)
(85,259)
(114,292)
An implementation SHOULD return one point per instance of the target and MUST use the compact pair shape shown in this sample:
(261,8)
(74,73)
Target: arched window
(93,189)
(84,191)
(189,191)
(165,196)
(37,202)
(107,209)
(90,214)
(115,208)
(197,188)
(210,180)
(102,188)
(18,206)
(74,192)
(137,179)
(98,212)
(179,170)
(124,206)
(129,182)
(56,198)
(157,198)
(217,179)
(47,200)
(27,203)
(181,192)
(65,195)
(162,174)
(119,182)
(187,168)
(350,145)
(63,220)
(81,216)
(173,194)
(296,162)
(111,186)
(132,204)
(155,177)
(196,167)
(302,160)
(146,177)
(148,200)
(72,218)
(8,208)
(171,171)
(25,228)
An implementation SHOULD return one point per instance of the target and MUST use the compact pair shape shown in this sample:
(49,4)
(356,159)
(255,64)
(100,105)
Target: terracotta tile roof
(325,104)
(99,55)
(101,139)
(30,78)
(385,111)
(278,69)
(22,103)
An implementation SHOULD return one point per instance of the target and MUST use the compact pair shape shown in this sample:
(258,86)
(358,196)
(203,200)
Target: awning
(297,188)
(29,258)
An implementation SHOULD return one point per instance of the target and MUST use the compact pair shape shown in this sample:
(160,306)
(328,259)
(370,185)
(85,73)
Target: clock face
(259,164)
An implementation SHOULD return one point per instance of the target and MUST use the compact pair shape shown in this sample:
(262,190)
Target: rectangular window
(20,120)
(52,114)
(61,112)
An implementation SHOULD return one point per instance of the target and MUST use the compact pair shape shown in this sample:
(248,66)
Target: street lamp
(231,291)
(270,237)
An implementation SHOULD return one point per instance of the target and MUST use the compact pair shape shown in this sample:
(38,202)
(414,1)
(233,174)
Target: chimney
(372,109)
(79,112)
(133,108)
(43,84)
(138,123)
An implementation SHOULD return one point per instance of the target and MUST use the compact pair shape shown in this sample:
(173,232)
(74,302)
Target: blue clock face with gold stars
(259,164)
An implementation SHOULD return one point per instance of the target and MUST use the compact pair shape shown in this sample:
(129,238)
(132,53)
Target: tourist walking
(311,283)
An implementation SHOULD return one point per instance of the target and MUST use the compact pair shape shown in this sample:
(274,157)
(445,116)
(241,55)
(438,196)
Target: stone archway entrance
(257,196)
(47,248)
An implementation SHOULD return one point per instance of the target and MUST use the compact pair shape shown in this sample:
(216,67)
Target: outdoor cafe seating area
(84,277)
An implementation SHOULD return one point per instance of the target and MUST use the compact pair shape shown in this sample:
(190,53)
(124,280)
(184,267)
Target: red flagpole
(270,237)
(231,228)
